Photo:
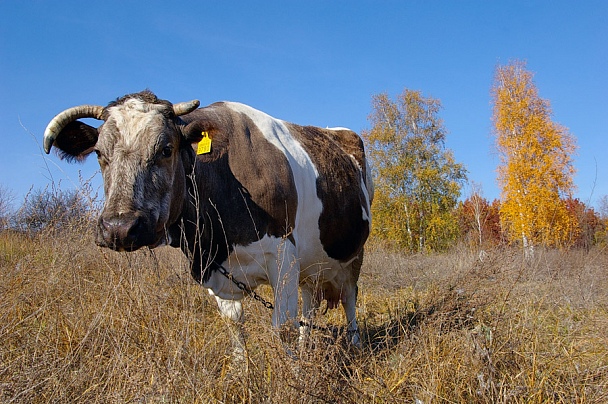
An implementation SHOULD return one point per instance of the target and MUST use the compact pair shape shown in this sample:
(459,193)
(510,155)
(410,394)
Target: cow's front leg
(284,276)
(232,311)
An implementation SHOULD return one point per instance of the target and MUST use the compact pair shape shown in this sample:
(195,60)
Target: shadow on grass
(452,310)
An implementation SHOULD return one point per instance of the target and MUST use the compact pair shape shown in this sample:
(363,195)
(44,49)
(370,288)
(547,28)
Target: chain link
(242,286)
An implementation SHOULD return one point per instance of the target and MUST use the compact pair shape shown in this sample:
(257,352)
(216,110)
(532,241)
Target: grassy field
(82,324)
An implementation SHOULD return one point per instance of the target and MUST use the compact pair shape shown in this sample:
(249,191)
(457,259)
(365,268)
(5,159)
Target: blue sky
(309,62)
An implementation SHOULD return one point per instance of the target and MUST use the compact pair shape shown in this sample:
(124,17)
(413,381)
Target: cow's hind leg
(310,305)
(349,302)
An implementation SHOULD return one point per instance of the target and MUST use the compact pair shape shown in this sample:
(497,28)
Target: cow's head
(142,152)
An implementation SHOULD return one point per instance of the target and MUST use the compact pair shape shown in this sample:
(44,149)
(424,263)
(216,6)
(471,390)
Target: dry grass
(81,324)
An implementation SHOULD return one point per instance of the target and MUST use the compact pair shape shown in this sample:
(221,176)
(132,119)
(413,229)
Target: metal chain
(242,286)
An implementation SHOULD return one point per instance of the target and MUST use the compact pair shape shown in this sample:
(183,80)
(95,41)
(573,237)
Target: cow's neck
(183,230)
(194,232)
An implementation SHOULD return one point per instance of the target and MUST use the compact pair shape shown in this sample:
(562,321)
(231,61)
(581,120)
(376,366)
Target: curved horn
(184,108)
(65,117)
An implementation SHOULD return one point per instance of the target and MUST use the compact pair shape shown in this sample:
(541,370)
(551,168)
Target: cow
(250,199)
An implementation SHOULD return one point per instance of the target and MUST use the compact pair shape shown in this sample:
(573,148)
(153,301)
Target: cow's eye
(167,151)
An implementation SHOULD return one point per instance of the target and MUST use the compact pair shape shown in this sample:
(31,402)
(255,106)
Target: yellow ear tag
(204,146)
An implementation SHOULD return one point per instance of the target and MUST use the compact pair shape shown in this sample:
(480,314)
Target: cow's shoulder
(242,152)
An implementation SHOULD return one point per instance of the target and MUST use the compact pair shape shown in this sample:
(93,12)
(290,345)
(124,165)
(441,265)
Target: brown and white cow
(270,201)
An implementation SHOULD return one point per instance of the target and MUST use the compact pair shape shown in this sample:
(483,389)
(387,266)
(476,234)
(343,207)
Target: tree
(602,236)
(417,180)
(590,230)
(479,210)
(603,207)
(535,171)
(479,219)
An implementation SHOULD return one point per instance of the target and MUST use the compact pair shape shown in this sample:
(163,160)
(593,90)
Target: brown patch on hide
(247,177)
(343,230)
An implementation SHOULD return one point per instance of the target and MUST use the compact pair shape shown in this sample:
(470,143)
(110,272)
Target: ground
(84,324)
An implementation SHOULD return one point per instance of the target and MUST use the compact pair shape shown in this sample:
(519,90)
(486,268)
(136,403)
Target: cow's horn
(184,108)
(69,115)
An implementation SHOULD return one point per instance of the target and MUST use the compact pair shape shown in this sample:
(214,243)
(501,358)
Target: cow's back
(329,172)
(311,181)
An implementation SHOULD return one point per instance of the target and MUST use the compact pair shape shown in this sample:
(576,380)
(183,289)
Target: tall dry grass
(82,324)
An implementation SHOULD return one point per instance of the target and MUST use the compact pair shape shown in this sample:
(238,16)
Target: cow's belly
(316,267)
(249,264)
(265,260)
(329,280)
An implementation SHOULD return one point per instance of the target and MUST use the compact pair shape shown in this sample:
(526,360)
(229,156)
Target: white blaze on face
(133,119)
(128,140)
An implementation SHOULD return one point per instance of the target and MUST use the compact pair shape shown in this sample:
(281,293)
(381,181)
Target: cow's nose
(120,232)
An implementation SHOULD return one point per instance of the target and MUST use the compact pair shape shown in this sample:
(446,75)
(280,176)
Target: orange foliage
(479,221)
(536,171)
(591,229)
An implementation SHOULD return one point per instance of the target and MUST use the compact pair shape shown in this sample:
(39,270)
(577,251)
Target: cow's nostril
(135,228)
(122,231)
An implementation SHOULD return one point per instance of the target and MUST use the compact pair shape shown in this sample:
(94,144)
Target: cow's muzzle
(125,232)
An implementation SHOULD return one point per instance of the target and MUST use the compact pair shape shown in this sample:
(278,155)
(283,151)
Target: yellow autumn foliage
(536,171)
(417,180)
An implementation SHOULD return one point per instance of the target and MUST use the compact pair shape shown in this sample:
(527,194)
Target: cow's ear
(195,131)
(76,141)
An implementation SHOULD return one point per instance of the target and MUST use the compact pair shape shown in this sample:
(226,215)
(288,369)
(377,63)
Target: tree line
(418,205)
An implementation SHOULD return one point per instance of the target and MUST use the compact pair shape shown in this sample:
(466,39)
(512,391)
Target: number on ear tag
(204,146)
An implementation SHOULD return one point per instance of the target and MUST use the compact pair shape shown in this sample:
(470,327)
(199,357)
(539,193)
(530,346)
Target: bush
(46,209)
(6,206)
(55,209)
